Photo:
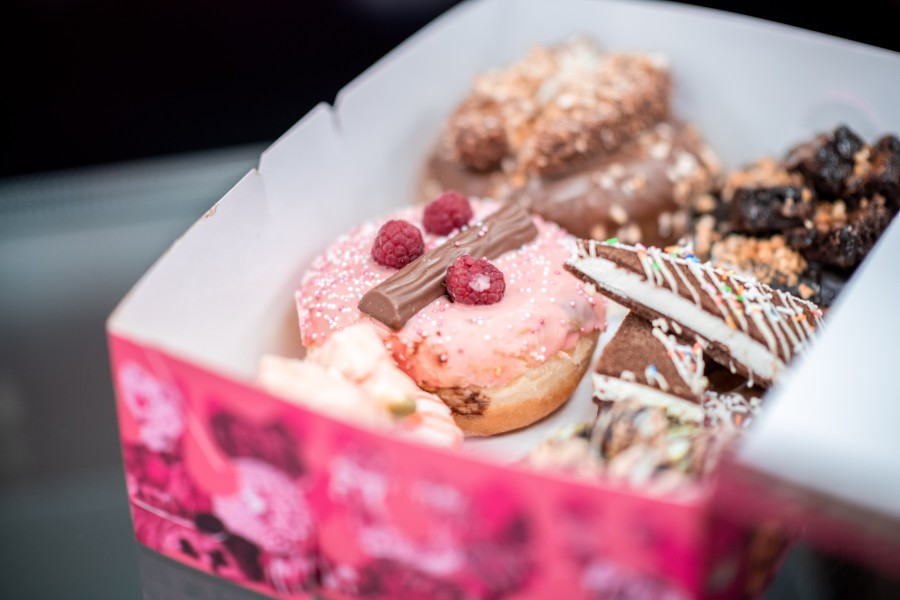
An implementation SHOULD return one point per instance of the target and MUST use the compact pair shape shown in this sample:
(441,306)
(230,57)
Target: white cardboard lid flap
(830,427)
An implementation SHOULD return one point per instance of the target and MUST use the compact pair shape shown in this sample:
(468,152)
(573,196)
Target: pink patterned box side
(230,480)
(219,475)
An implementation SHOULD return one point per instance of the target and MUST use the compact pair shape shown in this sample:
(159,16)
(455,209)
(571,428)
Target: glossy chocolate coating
(639,193)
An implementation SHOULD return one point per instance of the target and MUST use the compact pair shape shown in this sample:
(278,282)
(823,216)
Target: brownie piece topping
(770,210)
(878,174)
(827,161)
(841,238)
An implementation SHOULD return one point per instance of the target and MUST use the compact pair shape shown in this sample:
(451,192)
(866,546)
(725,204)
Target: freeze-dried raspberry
(397,244)
(475,281)
(447,212)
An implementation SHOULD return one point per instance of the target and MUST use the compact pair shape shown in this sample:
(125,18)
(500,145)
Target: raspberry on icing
(397,244)
(475,281)
(447,212)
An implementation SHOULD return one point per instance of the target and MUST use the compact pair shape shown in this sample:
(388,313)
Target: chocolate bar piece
(639,441)
(646,361)
(741,323)
(395,300)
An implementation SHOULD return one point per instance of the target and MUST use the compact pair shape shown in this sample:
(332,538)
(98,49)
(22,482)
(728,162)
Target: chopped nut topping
(769,260)
(559,106)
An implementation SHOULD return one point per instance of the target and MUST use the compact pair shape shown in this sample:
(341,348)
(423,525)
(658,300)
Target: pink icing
(545,310)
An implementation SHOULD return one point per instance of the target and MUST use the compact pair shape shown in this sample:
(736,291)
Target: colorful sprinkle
(612,241)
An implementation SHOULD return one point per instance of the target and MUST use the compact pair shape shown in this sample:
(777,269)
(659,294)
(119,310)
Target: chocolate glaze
(723,381)
(395,300)
(639,193)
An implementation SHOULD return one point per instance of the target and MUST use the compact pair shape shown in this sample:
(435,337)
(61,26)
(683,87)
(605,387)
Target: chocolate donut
(582,138)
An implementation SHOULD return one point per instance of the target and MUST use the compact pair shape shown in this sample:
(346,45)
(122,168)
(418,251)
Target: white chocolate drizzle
(721,408)
(783,323)
(653,377)
(687,360)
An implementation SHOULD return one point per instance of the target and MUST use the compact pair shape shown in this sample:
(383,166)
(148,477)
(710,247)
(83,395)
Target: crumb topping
(769,260)
(765,172)
(557,106)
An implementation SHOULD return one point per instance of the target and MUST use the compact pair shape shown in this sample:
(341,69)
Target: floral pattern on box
(264,493)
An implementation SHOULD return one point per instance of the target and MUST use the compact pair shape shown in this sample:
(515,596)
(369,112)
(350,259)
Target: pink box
(233,481)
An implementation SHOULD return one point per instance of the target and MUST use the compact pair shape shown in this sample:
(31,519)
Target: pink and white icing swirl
(353,377)
(544,311)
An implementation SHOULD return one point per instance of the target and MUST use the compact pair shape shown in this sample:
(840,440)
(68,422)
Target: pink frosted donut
(499,367)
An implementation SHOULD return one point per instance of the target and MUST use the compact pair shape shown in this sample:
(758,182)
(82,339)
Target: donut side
(528,398)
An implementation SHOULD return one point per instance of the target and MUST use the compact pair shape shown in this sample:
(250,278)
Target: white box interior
(223,294)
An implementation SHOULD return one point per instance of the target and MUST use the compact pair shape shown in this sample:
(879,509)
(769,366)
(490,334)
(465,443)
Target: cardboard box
(235,482)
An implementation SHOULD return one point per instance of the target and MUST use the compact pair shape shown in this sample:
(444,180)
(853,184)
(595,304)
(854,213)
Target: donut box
(272,496)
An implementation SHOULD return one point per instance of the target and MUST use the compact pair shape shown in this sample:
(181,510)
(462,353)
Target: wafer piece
(742,324)
(644,361)
(648,363)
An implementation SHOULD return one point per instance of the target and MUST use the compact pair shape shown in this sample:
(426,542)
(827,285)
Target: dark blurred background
(94,81)
(124,122)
